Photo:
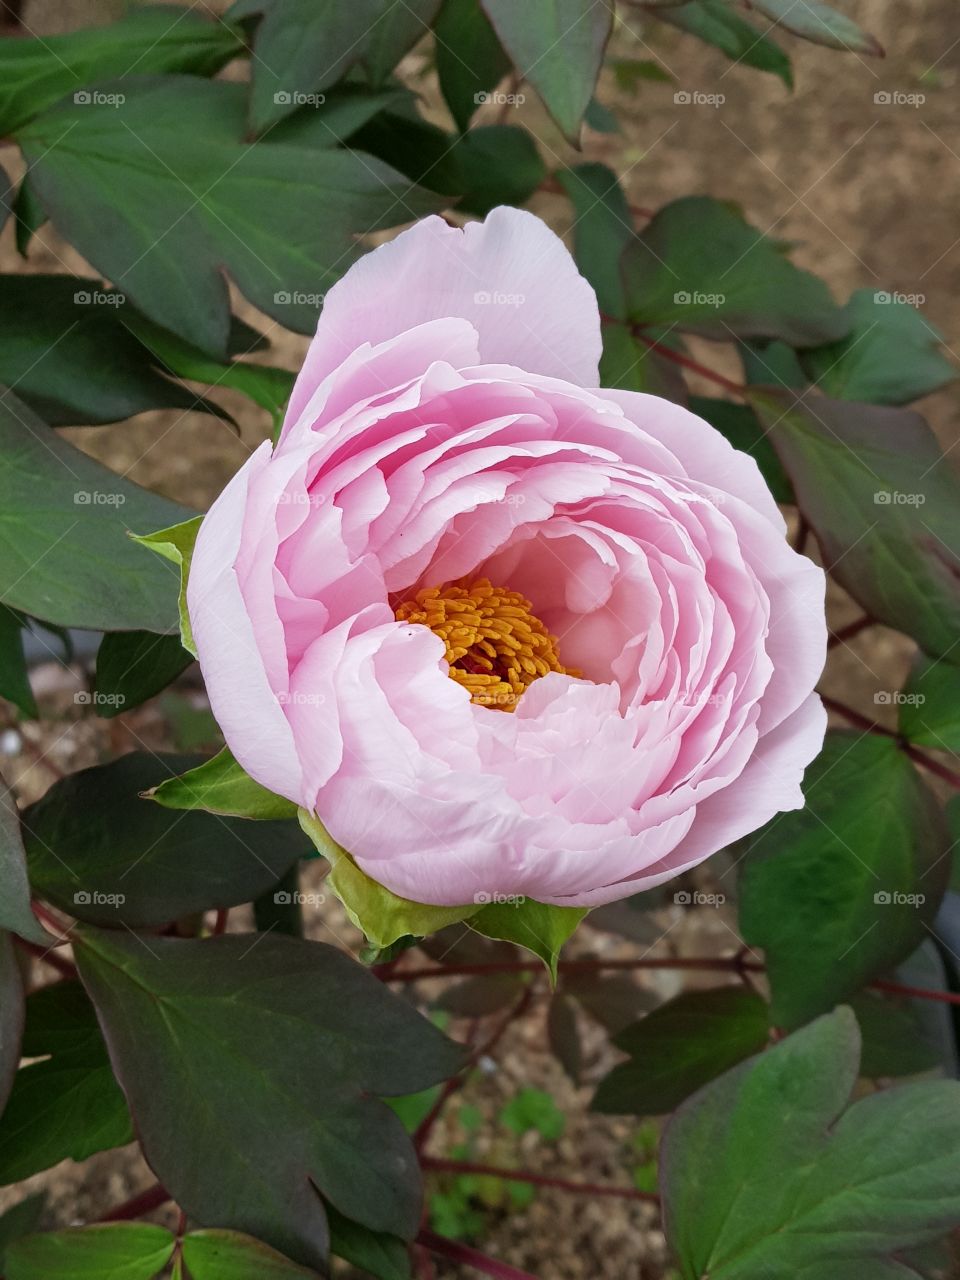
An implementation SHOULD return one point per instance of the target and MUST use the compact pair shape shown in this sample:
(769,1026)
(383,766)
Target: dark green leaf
(496,164)
(894,1044)
(470,59)
(612,999)
(631,72)
(65,556)
(132,666)
(841,891)
(162,210)
(536,926)
(818,22)
(175,545)
(930,704)
(66,346)
(718,24)
(772,364)
(680,1047)
(228,1255)
(700,266)
(602,229)
(14,680)
(882,500)
(558,46)
(397,28)
(628,363)
(100,851)
(20,1221)
(30,216)
(15,913)
(67,1106)
(768,1172)
(384,1256)
(11,1016)
(108,1251)
(890,356)
(220,785)
(341,113)
(267,1050)
(35,73)
(739,424)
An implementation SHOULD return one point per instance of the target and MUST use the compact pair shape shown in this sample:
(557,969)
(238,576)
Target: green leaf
(176,544)
(384,1256)
(67,1106)
(714,22)
(700,266)
(381,915)
(681,1046)
(929,705)
(29,214)
(628,363)
(894,1043)
(6,196)
(220,785)
(67,345)
(163,211)
(302,47)
(15,913)
(228,1255)
(101,852)
(882,502)
(602,229)
(739,424)
(272,1052)
(558,46)
(533,1110)
(841,891)
(35,73)
(538,927)
(890,356)
(14,679)
(65,556)
(496,164)
(397,28)
(470,59)
(11,1016)
(815,21)
(133,666)
(19,1221)
(767,1171)
(107,1251)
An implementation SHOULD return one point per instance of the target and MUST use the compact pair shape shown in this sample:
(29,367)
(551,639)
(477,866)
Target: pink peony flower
(504,632)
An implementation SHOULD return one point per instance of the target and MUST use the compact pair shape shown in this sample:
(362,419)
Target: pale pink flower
(447,429)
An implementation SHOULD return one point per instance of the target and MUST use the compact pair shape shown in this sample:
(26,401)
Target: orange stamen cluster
(496,647)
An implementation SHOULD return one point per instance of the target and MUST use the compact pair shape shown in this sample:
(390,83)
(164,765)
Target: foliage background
(869,196)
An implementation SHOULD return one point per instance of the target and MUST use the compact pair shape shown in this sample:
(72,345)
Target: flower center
(495,646)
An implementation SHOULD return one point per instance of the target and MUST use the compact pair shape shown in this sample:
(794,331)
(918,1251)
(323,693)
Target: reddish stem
(220,922)
(438,1165)
(803,532)
(50,920)
(712,964)
(849,631)
(458,1252)
(685,362)
(921,993)
(871,726)
(49,956)
(136,1207)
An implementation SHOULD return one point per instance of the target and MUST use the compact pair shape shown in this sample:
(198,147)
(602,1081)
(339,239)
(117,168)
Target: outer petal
(510,276)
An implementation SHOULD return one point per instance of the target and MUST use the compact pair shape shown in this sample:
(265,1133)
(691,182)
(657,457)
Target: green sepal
(220,785)
(176,544)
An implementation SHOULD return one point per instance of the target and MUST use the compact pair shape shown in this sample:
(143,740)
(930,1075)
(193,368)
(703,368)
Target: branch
(48,955)
(871,726)
(458,1252)
(685,362)
(145,1202)
(849,631)
(436,1165)
(921,993)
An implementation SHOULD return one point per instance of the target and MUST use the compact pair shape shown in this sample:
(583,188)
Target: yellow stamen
(496,647)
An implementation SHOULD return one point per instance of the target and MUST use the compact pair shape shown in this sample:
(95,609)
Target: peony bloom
(502,631)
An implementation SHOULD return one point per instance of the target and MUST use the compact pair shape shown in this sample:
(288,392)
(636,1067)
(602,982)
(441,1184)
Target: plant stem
(685,362)
(50,920)
(437,1165)
(458,1252)
(871,726)
(48,955)
(921,993)
(145,1202)
(849,631)
(713,964)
